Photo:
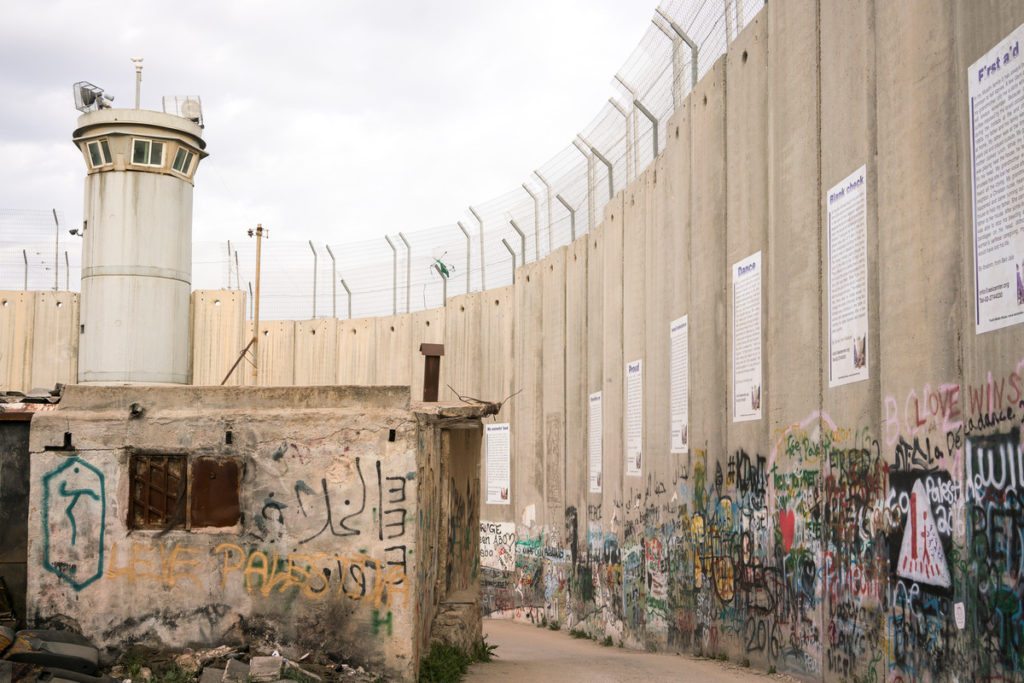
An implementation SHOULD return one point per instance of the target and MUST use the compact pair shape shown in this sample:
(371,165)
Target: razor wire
(361,276)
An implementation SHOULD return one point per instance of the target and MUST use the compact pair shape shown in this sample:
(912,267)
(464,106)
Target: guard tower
(137,233)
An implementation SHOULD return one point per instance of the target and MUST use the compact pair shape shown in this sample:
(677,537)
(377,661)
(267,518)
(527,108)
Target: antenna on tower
(137,61)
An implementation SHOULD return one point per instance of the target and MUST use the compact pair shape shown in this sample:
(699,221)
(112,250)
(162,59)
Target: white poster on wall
(848,279)
(594,435)
(679,385)
(634,418)
(746,339)
(498,545)
(996,94)
(498,446)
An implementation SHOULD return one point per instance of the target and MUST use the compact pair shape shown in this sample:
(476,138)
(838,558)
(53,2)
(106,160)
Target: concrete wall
(38,340)
(350,526)
(775,541)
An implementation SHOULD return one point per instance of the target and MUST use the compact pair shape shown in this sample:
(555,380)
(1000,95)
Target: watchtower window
(147,152)
(182,161)
(99,153)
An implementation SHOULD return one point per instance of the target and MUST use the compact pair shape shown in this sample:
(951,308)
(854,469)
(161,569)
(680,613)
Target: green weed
(447,664)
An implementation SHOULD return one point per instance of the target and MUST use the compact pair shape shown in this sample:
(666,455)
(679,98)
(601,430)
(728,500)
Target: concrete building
(340,519)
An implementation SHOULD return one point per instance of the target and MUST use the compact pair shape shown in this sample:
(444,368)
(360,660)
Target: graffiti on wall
(73,512)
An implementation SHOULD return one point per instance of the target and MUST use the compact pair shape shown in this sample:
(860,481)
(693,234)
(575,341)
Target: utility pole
(256,304)
(254,342)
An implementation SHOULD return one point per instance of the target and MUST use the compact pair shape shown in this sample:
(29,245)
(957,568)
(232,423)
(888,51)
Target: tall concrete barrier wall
(749,502)
(38,340)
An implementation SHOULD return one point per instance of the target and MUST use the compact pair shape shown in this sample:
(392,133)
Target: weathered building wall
(337,518)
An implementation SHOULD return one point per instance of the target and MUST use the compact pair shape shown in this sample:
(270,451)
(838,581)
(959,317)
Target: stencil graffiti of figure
(73,512)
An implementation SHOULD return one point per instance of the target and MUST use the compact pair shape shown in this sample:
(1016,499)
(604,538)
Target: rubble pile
(51,656)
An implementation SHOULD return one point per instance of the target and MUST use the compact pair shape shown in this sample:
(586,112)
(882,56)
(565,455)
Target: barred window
(158,491)
(175,492)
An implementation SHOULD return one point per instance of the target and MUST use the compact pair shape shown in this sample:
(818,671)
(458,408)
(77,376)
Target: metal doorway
(14,479)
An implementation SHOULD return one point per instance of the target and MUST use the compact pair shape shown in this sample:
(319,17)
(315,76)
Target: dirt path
(537,655)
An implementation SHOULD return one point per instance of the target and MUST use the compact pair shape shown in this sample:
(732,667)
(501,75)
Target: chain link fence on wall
(564,196)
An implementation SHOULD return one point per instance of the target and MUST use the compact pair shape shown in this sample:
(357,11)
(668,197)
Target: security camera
(73,231)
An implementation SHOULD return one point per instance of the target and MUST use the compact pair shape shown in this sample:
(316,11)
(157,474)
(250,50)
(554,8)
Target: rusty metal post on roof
(431,370)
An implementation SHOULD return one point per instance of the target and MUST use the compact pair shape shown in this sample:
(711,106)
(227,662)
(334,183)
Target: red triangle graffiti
(922,558)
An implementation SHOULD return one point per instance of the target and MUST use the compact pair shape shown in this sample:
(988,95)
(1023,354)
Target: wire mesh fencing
(562,199)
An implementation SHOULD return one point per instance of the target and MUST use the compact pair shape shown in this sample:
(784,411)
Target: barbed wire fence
(562,199)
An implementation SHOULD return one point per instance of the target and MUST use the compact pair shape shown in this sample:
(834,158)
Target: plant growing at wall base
(447,663)
(444,664)
(607,642)
(483,651)
(578,633)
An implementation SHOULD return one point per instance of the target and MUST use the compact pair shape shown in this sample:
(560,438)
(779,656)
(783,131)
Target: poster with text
(746,339)
(498,545)
(634,418)
(996,102)
(679,385)
(594,432)
(498,443)
(848,280)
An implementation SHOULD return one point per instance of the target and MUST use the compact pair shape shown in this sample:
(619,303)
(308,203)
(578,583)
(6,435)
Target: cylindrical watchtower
(137,251)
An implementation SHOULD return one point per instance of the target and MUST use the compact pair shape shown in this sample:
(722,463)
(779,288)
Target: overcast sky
(334,121)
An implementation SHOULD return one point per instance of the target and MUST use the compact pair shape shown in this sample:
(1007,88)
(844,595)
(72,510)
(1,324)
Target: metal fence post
(251,299)
(334,282)
(572,215)
(522,239)
(67,271)
(24,255)
(604,160)
(56,252)
(483,260)
(629,145)
(313,249)
(469,250)
(511,251)
(444,284)
(677,97)
(590,182)
(349,292)
(547,190)
(229,265)
(637,104)
(633,95)
(394,276)
(536,222)
(694,50)
(408,269)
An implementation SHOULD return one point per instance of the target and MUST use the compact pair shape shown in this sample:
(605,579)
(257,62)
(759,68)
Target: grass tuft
(448,664)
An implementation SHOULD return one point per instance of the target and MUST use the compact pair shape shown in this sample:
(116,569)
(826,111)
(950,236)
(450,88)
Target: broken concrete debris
(50,656)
